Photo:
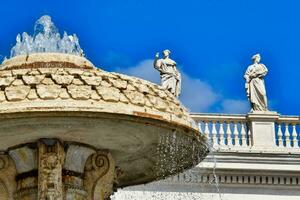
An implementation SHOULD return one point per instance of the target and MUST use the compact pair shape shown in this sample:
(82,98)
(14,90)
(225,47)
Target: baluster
(287,136)
(279,135)
(243,135)
(214,134)
(294,136)
(228,134)
(221,132)
(206,131)
(235,136)
(250,139)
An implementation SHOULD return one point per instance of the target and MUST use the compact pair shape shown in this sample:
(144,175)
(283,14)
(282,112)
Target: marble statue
(255,85)
(170,76)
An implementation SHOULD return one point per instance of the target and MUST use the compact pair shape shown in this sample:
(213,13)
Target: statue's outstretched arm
(247,78)
(157,62)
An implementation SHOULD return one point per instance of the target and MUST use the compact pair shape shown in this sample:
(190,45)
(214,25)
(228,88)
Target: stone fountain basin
(149,133)
(134,141)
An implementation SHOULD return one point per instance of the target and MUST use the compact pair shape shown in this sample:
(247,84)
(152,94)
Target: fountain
(46,38)
(72,131)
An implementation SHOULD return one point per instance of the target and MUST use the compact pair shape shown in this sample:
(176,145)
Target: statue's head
(256,58)
(166,53)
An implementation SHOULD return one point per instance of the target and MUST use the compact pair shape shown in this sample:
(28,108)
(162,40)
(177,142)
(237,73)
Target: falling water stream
(216,178)
(171,151)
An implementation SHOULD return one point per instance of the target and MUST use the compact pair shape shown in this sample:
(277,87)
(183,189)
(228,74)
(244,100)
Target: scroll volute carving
(7,178)
(99,176)
(50,171)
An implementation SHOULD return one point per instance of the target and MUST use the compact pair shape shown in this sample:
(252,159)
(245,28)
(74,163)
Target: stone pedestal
(262,128)
(52,170)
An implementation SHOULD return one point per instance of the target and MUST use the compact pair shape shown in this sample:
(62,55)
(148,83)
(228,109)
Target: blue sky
(211,40)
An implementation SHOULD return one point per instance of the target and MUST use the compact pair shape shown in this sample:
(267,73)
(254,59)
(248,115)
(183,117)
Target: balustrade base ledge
(253,149)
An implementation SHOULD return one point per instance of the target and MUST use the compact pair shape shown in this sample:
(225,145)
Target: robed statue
(170,76)
(255,85)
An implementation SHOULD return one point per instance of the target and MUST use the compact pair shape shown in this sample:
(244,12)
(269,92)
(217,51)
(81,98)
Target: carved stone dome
(54,95)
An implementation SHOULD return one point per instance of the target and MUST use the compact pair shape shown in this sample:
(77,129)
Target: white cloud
(144,70)
(235,106)
(196,95)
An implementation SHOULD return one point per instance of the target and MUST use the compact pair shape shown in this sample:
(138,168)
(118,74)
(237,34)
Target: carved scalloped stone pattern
(93,85)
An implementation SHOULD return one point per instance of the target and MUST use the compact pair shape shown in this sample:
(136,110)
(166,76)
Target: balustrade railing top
(218,117)
(260,131)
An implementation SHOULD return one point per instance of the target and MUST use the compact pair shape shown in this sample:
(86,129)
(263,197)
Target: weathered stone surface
(118,83)
(161,104)
(151,89)
(21,72)
(50,165)
(178,111)
(95,95)
(98,72)
(17,82)
(109,75)
(105,83)
(130,87)
(64,94)
(63,79)
(100,175)
(92,80)
(6,81)
(48,91)
(109,93)
(47,70)
(32,95)
(61,71)
(2,96)
(34,72)
(33,80)
(135,97)
(123,98)
(162,94)
(142,87)
(48,81)
(5,73)
(158,103)
(158,114)
(148,103)
(49,59)
(77,81)
(88,73)
(17,93)
(153,99)
(74,71)
(80,92)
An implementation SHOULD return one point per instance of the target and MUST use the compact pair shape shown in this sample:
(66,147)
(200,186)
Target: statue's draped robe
(170,76)
(255,86)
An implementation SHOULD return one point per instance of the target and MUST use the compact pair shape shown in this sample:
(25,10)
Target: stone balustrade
(254,131)
(224,130)
(287,131)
